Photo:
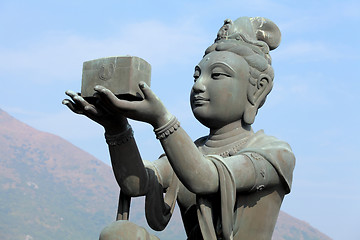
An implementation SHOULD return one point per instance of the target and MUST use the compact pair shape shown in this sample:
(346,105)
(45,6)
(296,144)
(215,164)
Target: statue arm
(198,173)
(195,171)
(252,172)
(131,172)
(128,167)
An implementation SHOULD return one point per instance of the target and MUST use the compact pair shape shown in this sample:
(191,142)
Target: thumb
(145,89)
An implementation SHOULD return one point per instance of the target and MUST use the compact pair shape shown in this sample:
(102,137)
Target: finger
(71,93)
(148,93)
(102,91)
(105,105)
(92,110)
(96,95)
(71,106)
(112,100)
(104,94)
(80,101)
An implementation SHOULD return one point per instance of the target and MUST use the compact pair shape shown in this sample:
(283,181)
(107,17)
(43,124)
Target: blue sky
(313,106)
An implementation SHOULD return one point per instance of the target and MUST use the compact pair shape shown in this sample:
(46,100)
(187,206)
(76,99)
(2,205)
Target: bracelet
(121,138)
(169,128)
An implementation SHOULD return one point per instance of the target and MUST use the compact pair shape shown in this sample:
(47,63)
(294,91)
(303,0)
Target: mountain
(290,228)
(50,189)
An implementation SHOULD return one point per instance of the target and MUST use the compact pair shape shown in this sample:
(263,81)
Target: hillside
(50,189)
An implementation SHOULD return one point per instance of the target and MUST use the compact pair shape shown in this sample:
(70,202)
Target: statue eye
(219,75)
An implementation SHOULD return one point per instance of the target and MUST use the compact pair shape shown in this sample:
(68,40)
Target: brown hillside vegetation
(50,189)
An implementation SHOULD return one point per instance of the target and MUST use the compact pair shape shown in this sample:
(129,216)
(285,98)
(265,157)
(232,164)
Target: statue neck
(228,134)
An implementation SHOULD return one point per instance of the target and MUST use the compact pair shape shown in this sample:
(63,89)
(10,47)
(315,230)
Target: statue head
(235,75)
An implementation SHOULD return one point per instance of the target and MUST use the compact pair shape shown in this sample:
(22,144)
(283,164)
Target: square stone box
(120,74)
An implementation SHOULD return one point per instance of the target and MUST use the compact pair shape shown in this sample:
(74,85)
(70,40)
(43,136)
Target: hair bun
(266,31)
(255,30)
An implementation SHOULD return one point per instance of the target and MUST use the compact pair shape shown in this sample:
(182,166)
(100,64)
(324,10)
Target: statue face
(219,94)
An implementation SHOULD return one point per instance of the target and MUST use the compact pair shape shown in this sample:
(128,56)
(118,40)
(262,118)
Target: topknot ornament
(257,31)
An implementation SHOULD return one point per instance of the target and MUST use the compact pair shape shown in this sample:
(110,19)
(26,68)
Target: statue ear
(263,88)
(256,96)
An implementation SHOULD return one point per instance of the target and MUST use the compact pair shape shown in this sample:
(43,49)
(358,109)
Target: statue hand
(111,121)
(150,109)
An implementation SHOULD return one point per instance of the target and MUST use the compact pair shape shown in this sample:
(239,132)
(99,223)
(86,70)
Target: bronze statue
(229,184)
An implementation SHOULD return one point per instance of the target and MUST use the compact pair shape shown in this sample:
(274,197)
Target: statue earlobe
(249,114)
(256,97)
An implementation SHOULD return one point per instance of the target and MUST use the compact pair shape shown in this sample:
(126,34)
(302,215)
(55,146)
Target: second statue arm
(128,167)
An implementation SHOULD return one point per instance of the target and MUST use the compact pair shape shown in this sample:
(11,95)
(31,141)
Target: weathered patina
(229,184)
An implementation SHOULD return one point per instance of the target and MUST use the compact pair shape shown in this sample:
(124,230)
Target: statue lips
(199,100)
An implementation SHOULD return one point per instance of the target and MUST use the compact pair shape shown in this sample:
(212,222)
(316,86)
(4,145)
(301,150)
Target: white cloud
(60,55)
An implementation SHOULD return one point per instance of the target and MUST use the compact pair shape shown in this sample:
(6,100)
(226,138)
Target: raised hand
(150,109)
(113,122)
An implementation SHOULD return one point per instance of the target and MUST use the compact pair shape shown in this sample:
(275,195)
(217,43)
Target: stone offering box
(121,75)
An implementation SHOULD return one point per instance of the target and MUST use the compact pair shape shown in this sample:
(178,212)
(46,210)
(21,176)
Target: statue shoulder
(262,140)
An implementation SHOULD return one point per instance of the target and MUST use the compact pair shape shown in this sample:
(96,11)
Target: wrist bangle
(167,129)
(121,138)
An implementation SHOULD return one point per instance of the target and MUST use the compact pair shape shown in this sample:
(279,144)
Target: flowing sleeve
(159,209)
(227,188)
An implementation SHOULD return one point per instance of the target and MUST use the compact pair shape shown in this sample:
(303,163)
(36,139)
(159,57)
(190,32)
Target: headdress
(258,33)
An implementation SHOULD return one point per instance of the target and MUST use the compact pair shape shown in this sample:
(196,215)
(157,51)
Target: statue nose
(199,85)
